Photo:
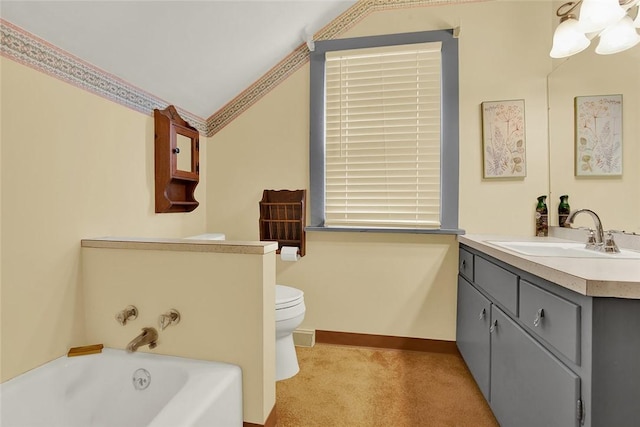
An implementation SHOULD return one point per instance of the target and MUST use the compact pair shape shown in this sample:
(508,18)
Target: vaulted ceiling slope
(197,55)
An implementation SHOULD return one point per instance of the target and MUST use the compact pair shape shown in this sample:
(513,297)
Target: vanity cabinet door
(472,333)
(529,386)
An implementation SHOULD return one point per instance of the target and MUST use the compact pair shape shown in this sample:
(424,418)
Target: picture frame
(598,135)
(504,139)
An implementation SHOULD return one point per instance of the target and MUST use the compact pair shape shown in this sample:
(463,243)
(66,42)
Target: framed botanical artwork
(503,139)
(598,144)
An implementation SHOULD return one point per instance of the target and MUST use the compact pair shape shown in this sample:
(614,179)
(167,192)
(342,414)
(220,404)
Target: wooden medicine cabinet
(177,162)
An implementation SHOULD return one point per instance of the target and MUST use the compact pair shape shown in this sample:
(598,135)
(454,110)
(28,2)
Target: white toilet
(290,311)
(289,315)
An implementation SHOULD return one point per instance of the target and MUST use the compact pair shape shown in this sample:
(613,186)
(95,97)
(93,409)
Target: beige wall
(225,302)
(74,166)
(399,284)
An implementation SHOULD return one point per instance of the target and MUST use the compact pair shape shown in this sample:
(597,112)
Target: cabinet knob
(539,317)
(176,150)
(483,313)
(464,263)
(493,327)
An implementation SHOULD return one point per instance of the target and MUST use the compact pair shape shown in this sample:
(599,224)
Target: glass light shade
(619,37)
(568,39)
(596,15)
(637,21)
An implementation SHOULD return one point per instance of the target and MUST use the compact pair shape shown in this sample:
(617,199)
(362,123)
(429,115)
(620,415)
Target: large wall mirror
(616,199)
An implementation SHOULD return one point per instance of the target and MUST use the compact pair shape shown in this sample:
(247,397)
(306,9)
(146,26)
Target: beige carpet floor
(353,386)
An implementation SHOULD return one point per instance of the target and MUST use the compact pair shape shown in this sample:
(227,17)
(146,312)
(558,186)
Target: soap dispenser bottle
(542,217)
(563,210)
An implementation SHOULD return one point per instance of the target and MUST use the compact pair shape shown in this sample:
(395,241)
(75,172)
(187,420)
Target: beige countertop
(184,245)
(597,277)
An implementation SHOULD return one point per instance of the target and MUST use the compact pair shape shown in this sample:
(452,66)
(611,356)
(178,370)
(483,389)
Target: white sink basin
(561,249)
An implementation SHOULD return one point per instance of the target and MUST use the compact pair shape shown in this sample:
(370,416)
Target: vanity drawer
(499,283)
(552,318)
(466,264)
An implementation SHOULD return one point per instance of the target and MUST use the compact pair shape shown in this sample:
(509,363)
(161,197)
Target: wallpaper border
(34,52)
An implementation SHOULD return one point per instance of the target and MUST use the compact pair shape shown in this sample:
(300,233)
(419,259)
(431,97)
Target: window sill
(385,230)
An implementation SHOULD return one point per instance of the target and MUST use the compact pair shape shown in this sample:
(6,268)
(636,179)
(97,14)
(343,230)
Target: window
(384,133)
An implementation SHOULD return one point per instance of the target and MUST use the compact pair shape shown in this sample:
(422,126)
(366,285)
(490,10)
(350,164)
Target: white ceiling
(197,55)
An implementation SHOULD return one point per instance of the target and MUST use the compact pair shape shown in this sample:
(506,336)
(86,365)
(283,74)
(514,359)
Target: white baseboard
(304,337)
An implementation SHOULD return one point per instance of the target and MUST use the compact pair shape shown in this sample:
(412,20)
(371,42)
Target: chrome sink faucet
(149,336)
(599,244)
(596,220)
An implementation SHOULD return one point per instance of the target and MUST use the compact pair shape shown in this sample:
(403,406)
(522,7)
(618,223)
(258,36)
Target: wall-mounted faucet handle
(129,313)
(171,317)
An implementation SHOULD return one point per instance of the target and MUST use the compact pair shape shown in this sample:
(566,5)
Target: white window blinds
(382,153)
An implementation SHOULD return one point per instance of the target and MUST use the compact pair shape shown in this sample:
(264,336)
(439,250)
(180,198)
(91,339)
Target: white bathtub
(98,391)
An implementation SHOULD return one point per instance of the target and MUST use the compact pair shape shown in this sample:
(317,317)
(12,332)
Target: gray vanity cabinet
(544,355)
(523,382)
(529,386)
(474,314)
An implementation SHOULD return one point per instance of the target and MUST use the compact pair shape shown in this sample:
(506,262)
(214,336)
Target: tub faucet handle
(129,313)
(171,317)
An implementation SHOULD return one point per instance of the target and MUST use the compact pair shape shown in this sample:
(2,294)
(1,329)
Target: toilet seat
(287,297)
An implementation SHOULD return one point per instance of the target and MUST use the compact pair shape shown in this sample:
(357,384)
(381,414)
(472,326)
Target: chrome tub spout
(149,336)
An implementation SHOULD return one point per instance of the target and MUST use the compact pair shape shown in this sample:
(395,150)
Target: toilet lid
(287,296)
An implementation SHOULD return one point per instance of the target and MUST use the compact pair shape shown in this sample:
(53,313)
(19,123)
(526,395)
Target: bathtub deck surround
(181,245)
(142,389)
(224,290)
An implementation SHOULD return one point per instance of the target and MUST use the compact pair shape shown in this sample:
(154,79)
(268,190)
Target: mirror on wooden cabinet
(183,153)
(184,149)
(177,162)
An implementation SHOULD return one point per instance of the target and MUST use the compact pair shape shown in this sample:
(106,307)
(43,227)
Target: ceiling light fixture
(609,19)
